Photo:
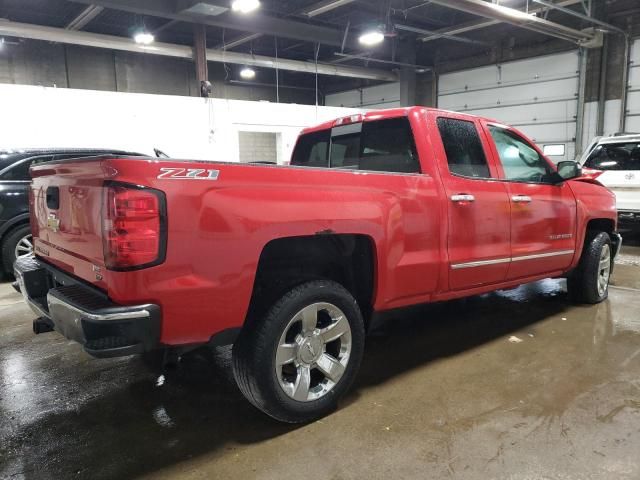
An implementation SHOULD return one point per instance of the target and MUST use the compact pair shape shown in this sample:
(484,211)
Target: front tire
(589,282)
(296,362)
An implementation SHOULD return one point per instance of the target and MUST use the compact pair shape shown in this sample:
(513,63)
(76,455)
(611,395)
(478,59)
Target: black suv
(15,233)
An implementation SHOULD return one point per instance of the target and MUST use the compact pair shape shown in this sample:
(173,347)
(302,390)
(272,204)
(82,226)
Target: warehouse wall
(32,62)
(183,127)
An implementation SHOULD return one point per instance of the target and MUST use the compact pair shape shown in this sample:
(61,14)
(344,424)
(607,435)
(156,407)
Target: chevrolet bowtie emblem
(53,222)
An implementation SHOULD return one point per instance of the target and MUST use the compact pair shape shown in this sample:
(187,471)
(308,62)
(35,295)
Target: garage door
(380,96)
(633,100)
(539,96)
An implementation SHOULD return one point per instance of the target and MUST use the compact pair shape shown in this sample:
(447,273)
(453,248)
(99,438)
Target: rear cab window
(379,146)
(615,156)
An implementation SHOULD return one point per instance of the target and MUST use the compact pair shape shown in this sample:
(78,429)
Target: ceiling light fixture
(371,38)
(144,38)
(248,73)
(245,6)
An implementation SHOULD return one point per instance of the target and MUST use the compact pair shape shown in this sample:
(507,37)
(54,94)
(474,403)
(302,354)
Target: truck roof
(384,114)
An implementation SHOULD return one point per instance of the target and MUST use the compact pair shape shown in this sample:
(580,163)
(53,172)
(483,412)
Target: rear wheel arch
(284,263)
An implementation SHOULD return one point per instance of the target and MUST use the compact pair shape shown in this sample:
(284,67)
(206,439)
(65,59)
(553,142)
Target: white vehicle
(618,157)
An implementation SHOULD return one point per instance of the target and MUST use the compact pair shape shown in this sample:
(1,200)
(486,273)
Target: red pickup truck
(289,263)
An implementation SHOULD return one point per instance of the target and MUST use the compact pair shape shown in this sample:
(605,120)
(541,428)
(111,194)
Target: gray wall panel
(90,68)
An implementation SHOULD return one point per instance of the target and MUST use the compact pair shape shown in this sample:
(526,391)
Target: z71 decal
(188,174)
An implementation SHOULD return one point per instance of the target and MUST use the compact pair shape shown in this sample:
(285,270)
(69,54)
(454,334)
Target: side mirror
(568,170)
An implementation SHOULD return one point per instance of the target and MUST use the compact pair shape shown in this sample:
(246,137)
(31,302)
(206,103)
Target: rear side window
(615,156)
(20,171)
(381,146)
(312,150)
(463,147)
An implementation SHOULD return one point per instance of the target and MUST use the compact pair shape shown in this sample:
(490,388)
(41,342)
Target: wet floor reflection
(65,415)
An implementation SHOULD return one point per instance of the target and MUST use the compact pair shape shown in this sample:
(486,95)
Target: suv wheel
(589,282)
(296,362)
(18,243)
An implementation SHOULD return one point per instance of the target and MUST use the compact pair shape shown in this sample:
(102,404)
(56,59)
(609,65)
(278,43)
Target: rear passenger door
(478,230)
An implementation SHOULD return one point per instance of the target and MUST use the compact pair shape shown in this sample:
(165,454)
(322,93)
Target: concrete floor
(517,384)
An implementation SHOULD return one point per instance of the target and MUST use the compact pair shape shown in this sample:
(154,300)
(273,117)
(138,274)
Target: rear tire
(15,240)
(303,355)
(589,282)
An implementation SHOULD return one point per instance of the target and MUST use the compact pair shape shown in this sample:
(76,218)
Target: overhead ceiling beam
(310,12)
(255,23)
(483,23)
(84,17)
(607,26)
(60,35)
(519,18)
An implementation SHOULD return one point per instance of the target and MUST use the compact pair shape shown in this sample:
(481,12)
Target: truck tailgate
(66,204)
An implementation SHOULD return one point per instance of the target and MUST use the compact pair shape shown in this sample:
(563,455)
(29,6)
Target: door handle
(462,197)
(521,199)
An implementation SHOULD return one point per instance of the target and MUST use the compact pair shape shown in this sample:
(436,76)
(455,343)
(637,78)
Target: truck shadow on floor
(143,421)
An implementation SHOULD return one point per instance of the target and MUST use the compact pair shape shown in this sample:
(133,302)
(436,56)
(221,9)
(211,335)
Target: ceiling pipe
(423,31)
(60,35)
(518,18)
(478,24)
(323,7)
(84,17)
(423,68)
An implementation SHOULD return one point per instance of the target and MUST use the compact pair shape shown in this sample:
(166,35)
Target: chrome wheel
(313,352)
(24,248)
(604,269)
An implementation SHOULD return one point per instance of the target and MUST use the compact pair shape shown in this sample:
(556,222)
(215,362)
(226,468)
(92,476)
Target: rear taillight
(134,227)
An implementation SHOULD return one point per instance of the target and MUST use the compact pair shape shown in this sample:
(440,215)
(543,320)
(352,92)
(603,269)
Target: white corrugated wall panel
(633,94)
(386,95)
(538,96)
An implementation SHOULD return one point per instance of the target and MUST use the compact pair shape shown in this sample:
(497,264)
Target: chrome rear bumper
(86,316)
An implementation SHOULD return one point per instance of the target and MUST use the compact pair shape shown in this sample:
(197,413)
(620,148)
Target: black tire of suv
(254,353)
(9,247)
(582,283)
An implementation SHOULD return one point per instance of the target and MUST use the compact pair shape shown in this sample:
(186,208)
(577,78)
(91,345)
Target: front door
(478,240)
(543,213)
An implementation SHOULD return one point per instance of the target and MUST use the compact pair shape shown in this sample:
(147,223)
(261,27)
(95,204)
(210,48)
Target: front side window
(463,147)
(615,156)
(520,161)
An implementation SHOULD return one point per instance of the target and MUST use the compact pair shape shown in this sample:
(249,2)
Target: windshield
(615,156)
